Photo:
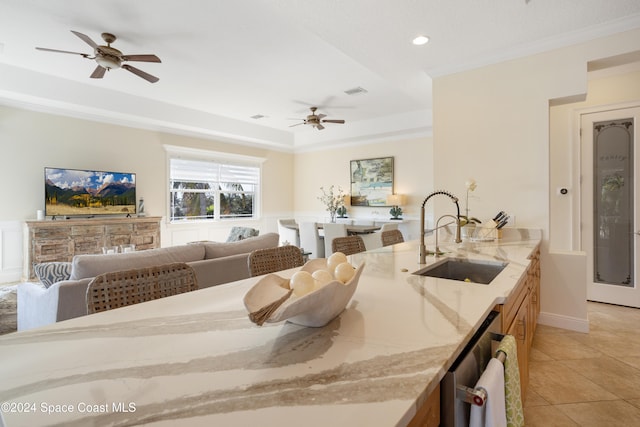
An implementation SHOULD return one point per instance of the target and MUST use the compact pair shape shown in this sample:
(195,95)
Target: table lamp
(395,200)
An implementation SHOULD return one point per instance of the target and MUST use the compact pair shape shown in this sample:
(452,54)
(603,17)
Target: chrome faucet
(423,248)
(437,252)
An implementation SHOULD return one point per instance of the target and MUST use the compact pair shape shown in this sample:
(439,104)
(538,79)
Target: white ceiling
(224,61)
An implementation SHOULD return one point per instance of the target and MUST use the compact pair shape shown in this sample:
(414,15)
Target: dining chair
(288,235)
(121,288)
(388,226)
(270,260)
(391,237)
(374,240)
(310,239)
(348,245)
(331,231)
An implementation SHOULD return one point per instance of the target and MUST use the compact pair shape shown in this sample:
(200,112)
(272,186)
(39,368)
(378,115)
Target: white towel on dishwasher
(493,413)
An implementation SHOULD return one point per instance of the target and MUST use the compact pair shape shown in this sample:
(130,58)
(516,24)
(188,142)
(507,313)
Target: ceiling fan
(316,120)
(110,58)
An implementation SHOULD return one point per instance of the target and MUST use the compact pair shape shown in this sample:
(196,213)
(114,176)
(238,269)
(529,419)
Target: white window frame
(216,157)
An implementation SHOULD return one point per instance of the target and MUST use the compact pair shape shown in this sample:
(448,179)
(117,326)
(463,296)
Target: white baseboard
(564,322)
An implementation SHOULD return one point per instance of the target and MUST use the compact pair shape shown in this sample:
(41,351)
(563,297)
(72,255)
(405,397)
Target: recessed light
(420,40)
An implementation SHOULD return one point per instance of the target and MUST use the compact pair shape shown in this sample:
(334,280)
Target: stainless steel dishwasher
(463,375)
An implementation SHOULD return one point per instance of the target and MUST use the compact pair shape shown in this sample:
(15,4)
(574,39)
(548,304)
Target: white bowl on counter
(314,309)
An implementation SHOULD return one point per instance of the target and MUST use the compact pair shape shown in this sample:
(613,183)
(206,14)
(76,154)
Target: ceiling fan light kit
(108,61)
(110,58)
(316,120)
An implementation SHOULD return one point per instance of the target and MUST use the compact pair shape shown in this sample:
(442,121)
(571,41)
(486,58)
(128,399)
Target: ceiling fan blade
(319,126)
(333,121)
(98,73)
(148,77)
(320,116)
(86,39)
(141,58)
(297,124)
(62,51)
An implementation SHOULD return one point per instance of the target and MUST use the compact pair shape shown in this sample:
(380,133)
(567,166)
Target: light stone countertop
(196,359)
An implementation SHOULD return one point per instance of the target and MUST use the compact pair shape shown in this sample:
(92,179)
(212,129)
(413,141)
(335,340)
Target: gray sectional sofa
(214,263)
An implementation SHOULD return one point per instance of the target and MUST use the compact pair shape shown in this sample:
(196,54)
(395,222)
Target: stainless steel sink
(464,270)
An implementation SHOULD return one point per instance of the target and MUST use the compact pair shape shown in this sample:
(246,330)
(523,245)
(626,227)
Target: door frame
(586,190)
(576,167)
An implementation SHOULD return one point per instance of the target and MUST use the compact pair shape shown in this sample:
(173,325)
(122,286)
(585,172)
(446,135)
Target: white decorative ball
(344,272)
(302,283)
(335,259)
(322,277)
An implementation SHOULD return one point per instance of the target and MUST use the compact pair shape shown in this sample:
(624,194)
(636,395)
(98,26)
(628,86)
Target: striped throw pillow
(52,272)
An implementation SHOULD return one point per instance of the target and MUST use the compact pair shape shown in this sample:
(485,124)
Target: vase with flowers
(332,200)
(468,223)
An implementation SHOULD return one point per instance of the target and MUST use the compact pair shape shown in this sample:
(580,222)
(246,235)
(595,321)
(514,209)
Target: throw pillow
(241,233)
(51,272)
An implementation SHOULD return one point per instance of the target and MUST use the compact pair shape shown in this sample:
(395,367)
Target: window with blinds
(212,190)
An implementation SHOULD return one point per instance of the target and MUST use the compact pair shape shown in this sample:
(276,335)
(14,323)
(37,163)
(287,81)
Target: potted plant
(332,201)
(396,212)
(468,223)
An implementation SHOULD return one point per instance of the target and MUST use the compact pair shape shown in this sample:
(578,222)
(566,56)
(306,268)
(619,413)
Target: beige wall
(605,90)
(565,165)
(413,177)
(32,140)
(493,124)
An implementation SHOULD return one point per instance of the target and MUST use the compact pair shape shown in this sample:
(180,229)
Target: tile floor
(589,379)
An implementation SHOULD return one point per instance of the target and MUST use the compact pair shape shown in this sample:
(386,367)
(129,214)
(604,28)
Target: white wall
(30,140)
(11,236)
(493,124)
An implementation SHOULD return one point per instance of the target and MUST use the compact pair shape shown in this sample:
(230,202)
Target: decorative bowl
(270,300)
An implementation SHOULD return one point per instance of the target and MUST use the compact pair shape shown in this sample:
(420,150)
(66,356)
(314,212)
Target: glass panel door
(613,202)
(609,197)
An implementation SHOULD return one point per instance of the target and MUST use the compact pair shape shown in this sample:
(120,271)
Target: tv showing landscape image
(73,192)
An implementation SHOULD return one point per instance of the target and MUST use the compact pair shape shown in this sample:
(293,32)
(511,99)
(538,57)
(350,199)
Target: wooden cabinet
(520,315)
(60,240)
(533,276)
(428,414)
(520,328)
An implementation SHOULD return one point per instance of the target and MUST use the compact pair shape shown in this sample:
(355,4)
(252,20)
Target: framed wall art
(371,181)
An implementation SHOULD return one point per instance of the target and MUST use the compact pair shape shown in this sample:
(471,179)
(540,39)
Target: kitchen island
(196,359)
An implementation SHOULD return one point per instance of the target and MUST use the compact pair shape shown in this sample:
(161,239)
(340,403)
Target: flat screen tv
(75,192)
